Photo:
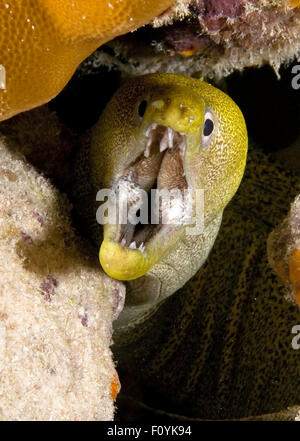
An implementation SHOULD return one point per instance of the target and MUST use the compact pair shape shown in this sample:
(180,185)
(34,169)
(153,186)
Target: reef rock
(210,38)
(56,306)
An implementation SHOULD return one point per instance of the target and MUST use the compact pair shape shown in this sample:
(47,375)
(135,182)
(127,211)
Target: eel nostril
(158,104)
(186,112)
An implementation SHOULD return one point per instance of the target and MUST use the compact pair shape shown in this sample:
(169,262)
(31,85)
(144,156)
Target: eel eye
(208,128)
(142,108)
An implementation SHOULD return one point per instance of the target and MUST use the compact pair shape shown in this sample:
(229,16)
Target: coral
(43,41)
(284,251)
(210,37)
(56,306)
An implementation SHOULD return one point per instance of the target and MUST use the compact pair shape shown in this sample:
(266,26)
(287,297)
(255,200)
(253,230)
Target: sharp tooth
(132,245)
(170,137)
(147,149)
(163,146)
(164,142)
(150,128)
(123,242)
(141,247)
(182,146)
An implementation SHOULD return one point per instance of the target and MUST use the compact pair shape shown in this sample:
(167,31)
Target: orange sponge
(294,3)
(43,41)
(115,387)
(294,273)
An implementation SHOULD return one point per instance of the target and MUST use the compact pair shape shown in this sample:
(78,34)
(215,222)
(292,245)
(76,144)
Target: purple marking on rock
(117,298)
(26,237)
(39,218)
(47,297)
(48,287)
(222,8)
(84,319)
(213,14)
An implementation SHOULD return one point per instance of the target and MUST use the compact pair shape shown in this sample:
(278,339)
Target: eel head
(170,133)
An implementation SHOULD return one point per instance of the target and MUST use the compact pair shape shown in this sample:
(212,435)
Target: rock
(208,38)
(56,305)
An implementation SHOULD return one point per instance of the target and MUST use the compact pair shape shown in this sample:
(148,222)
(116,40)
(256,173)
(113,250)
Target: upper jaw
(167,138)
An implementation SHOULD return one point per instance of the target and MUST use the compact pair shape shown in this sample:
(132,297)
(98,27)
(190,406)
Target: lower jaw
(123,263)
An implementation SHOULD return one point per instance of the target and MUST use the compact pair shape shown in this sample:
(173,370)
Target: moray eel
(222,346)
(43,41)
(162,131)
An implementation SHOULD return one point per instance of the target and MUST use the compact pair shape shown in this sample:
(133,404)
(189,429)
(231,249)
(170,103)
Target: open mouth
(159,167)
